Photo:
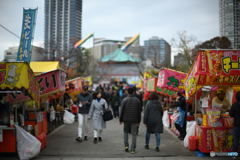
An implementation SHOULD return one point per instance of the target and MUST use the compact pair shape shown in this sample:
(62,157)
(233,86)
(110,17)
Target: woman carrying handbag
(98,106)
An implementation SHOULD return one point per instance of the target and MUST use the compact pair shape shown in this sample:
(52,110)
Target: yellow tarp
(16,76)
(42,67)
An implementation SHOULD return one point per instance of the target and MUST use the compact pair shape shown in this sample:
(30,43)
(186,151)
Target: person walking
(96,114)
(235,113)
(84,100)
(180,123)
(115,103)
(130,115)
(153,120)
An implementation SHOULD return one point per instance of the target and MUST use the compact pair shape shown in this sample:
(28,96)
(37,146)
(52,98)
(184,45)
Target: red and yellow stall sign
(18,76)
(214,67)
(51,82)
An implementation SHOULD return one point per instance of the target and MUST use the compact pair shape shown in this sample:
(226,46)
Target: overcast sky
(116,19)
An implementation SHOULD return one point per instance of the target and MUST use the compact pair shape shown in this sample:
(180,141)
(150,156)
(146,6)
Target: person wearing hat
(220,102)
(84,101)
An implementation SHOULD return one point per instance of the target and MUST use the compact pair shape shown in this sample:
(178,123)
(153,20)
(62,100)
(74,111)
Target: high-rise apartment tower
(63,23)
(229,11)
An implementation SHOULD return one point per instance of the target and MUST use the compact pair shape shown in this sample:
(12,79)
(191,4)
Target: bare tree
(184,44)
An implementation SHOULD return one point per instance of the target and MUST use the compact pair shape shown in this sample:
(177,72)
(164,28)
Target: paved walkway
(62,146)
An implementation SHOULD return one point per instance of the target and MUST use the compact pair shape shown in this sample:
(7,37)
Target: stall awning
(214,68)
(18,76)
(42,67)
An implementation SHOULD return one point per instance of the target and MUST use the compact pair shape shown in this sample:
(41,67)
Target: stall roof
(119,56)
(214,68)
(17,76)
(42,67)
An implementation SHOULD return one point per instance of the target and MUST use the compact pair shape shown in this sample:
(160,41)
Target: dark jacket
(181,102)
(153,116)
(130,110)
(115,101)
(84,98)
(235,113)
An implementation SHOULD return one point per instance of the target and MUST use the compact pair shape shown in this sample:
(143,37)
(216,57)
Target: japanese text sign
(28,24)
(151,84)
(51,81)
(170,79)
(17,76)
(214,67)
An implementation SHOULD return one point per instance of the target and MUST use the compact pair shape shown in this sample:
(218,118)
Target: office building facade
(158,51)
(229,13)
(63,23)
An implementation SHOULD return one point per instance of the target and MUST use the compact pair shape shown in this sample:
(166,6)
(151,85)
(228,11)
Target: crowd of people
(127,104)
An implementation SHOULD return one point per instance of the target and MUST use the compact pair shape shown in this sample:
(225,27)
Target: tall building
(230,21)
(63,24)
(158,51)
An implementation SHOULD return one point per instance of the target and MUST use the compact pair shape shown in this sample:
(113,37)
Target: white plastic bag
(68,117)
(27,145)
(165,119)
(190,132)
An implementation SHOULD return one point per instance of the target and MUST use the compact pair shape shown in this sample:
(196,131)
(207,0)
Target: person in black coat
(153,119)
(115,103)
(235,113)
(130,115)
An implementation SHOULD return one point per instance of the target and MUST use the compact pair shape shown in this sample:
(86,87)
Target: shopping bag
(190,132)
(165,119)
(27,145)
(68,117)
(107,115)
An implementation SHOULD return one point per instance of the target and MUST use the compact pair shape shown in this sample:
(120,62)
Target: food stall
(213,68)
(52,88)
(169,83)
(16,79)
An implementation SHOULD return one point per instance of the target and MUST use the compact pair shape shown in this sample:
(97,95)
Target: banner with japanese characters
(166,92)
(51,82)
(170,79)
(214,68)
(15,76)
(28,25)
(151,84)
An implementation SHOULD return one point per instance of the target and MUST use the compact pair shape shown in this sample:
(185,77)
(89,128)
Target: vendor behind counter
(220,102)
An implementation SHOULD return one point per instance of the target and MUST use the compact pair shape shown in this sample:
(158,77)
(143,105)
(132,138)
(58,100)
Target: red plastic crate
(9,142)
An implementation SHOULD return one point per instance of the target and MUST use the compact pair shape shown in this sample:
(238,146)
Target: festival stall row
(215,73)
